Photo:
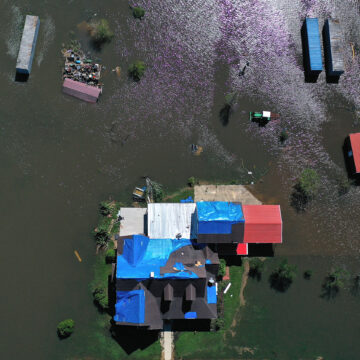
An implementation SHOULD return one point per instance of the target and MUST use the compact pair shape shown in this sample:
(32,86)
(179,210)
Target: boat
(139,193)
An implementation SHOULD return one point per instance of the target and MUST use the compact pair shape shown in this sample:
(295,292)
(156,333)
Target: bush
(217,324)
(105,208)
(101,297)
(333,282)
(110,256)
(222,268)
(283,276)
(308,274)
(102,238)
(283,136)
(100,32)
(192,181)
(137,70)
(65,328)
(309,183)
(256,268)
(138,12)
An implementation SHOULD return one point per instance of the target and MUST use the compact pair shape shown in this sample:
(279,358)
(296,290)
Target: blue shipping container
(313,44)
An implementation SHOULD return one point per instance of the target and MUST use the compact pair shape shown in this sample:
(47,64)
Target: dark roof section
(190,293)
(168,292)
(236,236)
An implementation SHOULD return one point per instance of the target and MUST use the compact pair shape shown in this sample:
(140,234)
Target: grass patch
(179,195)
(214,344)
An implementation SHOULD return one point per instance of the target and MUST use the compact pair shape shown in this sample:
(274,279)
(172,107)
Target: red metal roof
(242,249)
(263,224)
(355,146)
(81,91)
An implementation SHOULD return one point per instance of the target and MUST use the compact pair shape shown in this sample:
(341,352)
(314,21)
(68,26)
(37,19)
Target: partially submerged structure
(81,91)
(27,45)
(312,46)
(167,256)
(352,149)
(333,55)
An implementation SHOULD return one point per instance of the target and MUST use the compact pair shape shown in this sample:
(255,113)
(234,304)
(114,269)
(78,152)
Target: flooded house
(27,45)
(352,154)
(81,91)
(167,257)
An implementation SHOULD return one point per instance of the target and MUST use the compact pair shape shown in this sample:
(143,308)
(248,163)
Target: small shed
(263,224)
(81,91)
(333,39)
(312,45)
(354,152)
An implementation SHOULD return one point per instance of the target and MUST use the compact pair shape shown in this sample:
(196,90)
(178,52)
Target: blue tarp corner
(130,306)
(211,295)
(191,315)
(188,200)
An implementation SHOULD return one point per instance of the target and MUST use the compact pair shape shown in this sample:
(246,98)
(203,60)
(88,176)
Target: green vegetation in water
(108,224)
(100,32)
(137,70)
(308,274)
(192,181)
(65,328)
(138,12)
(256,268)
(334,282)
(283,136)
(309,183)
(216,344)
(283,276)
(344,185)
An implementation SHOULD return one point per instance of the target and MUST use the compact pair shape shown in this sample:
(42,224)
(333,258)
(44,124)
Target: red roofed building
(263,224)
(81,91)
(355,149)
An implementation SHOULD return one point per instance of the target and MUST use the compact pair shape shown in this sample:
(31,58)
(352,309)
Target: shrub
(110,256)
(256,268)
(308,274)
(102,238)
(65,328)
(309,183)
(192,181)
(105,208)
(217,324)
(334,281)
(101,297)
(137,70)
(283,276)
(222,268)
(343,185)
(100,32)
(283,136)
(138,12)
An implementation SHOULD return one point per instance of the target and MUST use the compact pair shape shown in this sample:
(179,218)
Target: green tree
(283,136)
(110,256)
(222,268)
(138,12)
(308,274)
(100,32)
(192,181)
(256,268)
(105,208)
(65,328)
(334,281)
(101,297)
(102,238)
(137,70)
(283,276)
(309,183)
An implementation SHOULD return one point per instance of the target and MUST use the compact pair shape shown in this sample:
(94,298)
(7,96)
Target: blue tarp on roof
(211,295)
(130,306)
(191,315)
(142,256)
(313,42)
(217,217)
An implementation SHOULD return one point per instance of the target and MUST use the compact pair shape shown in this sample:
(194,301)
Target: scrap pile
(79,68)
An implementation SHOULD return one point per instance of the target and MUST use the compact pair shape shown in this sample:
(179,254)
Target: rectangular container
(333,54)
(313,45)
(27,45)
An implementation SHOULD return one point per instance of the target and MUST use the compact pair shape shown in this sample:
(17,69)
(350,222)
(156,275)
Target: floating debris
(77,255)
(196,149)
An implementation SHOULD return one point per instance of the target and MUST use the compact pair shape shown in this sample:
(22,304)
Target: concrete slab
(133,221)
(234,193)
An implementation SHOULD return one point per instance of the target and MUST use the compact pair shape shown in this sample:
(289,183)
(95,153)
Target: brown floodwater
(60,157)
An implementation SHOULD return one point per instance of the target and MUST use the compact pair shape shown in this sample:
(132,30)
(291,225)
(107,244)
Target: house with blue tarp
(168,269)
